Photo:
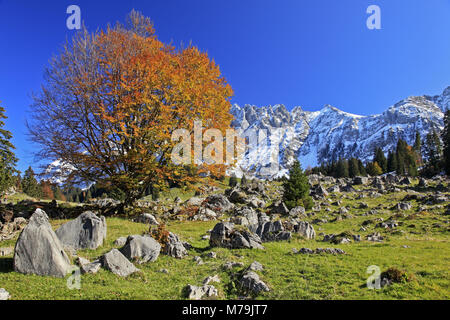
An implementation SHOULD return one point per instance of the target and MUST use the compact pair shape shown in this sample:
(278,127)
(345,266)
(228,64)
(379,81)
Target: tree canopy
(112,99)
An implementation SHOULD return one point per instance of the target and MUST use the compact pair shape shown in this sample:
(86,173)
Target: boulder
(210,279)
(87,231)
(402,206)
(251,283)
(218,202)
(204,214)
(174,247)
(197,293)
(237,196)
(117,263)
(305,229)
(256,266)
(194,201)
(279,208)
(147,218)
(272,231)
(39,251)
(360,180)
(105,203)
(141,248)
(225,235)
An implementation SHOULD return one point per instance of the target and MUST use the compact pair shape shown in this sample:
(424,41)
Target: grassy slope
(289,276)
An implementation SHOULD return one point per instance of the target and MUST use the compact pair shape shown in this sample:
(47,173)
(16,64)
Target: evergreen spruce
(7,158)
(233,182)
(30,186)
(296,188)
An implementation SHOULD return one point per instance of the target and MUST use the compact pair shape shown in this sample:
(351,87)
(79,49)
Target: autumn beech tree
(112,99)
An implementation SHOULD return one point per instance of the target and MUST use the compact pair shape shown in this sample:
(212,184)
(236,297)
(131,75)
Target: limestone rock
(39,251)
(86,231)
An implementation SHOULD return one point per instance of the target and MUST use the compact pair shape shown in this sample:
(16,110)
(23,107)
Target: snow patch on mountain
(328,134)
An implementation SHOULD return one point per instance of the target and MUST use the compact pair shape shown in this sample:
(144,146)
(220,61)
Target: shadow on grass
(6,265)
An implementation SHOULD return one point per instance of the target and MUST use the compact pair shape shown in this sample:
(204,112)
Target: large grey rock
(4,295)
(305,229)
(225,235)
(236,195)
(117,263)
(218,202)
(360,180)
(141,248)
(194,201)
(279,208)
(197,293)
(39,251)
(175,247)
(272,231)
(148,219)
(297,212)
(86,231)
(251,283)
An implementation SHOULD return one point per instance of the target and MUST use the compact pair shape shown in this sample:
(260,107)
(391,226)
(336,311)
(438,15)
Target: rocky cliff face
(321,136)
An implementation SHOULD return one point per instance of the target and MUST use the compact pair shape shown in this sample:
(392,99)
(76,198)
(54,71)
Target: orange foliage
(113,100)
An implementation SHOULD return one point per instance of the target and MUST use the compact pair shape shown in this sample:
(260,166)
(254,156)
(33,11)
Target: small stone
(256,266)
(198,260)
(4,295)
(210,279)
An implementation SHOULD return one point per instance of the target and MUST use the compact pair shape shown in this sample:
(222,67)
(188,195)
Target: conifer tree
(233,182)
(342,169)
(296,188)
(243,180)
(392,162)
(7,158)
(374,169)
(30,186)
(380,159)
(432,151)
(353,168)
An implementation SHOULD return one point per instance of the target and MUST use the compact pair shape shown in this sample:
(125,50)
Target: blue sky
(296,52)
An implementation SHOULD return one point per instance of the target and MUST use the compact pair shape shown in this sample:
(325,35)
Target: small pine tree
(30,186)
(244,180)
(233,182)
(296,188)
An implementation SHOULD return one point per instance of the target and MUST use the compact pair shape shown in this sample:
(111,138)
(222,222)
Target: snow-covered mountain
(321,136)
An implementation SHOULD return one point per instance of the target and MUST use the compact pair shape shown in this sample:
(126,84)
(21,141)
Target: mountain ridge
(314,137)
